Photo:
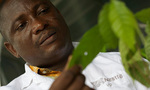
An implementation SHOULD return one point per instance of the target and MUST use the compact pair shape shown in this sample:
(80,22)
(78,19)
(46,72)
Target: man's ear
(11,49)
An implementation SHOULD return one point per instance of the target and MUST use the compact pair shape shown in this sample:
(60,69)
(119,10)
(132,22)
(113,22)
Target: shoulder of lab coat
(29,81)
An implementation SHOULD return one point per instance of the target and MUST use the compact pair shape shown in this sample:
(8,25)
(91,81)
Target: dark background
(80,16)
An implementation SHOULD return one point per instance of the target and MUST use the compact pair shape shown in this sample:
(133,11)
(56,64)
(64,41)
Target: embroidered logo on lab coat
(107,81)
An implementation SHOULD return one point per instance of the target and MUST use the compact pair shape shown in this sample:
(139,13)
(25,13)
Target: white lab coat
(105,72)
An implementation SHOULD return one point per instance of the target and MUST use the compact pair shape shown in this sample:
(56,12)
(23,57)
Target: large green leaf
(90,45)
(143,15)
(110,39)
(123,23)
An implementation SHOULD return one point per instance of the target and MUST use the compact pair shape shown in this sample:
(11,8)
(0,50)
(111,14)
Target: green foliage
(148,28)
(143,15)
(89,47)
(137,68)
(147,43)
(140,66)
(117,27)
(124,51)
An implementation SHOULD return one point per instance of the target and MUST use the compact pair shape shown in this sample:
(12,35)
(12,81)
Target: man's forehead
(18,4)
(12,8)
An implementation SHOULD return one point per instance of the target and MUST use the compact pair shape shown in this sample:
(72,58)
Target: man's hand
(71,79)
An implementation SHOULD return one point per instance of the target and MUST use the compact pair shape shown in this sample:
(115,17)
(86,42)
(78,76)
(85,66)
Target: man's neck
(60,66)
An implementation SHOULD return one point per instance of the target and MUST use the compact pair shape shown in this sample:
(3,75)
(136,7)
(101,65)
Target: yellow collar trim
(45,71)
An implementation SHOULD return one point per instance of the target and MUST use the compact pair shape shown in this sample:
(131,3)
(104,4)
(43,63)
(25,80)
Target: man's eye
(42,11)
(21,26)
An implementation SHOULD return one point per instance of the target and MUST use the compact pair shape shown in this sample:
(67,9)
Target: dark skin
(36,31)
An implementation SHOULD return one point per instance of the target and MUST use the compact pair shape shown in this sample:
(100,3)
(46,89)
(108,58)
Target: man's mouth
(48,38)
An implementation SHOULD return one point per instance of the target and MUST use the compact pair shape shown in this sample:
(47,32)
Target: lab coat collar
(32,77)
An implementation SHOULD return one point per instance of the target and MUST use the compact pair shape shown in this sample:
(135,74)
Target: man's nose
(38,26)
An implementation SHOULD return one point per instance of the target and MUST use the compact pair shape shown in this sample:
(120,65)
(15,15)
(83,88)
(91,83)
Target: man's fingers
(86,88)
(66,78)
(69,59)
(78,83)
(71,79)
(75,69)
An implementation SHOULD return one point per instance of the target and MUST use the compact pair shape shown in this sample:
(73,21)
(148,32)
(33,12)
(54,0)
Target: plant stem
(141,35)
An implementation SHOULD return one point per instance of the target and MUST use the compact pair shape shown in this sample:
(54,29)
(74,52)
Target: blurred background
(80,15)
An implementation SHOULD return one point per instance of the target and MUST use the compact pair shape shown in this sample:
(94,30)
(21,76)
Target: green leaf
(148,28)
(147,43)
(147,48)
(123,23)
(124,52)
(143,15)
(143,53)
(90,45)
(110,39)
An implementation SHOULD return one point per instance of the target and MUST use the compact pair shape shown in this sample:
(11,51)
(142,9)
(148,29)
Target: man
(36,31)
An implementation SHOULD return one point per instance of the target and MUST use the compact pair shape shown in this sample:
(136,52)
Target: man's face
(36,31)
